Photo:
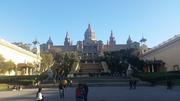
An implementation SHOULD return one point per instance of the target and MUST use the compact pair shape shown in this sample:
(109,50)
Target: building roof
(14,47)
(164,44)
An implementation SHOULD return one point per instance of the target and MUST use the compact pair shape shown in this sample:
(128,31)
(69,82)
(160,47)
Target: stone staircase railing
(105,67)
(75,68)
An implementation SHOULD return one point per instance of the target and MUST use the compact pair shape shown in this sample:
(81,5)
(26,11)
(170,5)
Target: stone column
(148,69)
(152,68)
(30,71)
(27,71)
(24,71)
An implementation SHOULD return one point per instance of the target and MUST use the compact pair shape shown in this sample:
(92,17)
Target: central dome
(89,35)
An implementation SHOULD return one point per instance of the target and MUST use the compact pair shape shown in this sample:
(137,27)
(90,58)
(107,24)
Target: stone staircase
(86,68)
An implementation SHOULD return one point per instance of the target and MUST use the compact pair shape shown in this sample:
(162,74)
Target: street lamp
(37,47)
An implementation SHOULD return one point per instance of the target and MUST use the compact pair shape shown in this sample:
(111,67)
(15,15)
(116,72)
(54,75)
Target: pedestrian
(134,83)
(65,83)
(61,90)
(85,87)
(39,95)
(130,83)
(169,84)
(79,93)
(54,81)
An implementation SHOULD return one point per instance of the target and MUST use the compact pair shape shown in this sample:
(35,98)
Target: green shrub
(21,80)
(158,77)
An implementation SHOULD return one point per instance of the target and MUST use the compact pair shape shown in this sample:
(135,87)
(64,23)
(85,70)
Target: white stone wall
(17,54)
(170,54)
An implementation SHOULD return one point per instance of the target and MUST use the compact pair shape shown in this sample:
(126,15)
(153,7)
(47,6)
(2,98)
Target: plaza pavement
(158,93)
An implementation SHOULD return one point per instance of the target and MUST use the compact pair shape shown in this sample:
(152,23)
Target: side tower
(112,41)
(67,40)
(129,42)
(143,47)
(49,43)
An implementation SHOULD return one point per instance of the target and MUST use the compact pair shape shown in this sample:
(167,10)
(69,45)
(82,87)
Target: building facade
(167,51)
(19,56)
(90,46)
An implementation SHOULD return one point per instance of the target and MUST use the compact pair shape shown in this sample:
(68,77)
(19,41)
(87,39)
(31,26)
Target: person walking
(85,87)
(65,83)
(134,83)
(130,83)
(61,90)
(169,84)
(79,93)
(39,95)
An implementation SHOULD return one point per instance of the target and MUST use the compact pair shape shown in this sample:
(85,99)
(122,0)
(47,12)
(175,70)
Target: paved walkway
(98,94)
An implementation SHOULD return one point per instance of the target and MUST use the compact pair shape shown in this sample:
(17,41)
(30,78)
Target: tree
(47,61)
(118,61)
(9,66)
(63,62)
(1,58)
(23,45)
(114,61)
(2,64)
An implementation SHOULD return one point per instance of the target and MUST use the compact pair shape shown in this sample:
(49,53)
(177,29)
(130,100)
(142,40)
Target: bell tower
(67,41)
(49,43)
(112,41)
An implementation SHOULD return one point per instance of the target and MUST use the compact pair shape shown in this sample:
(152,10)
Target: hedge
(21,80)
(158,77)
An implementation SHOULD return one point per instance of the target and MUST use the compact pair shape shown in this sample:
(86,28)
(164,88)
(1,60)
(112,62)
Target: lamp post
(37,47)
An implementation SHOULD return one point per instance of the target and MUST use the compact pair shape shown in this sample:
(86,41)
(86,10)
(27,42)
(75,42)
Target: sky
(26,20)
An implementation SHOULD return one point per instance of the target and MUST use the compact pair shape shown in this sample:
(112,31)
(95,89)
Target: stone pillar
(24,71)
(27,71)
(30,71)
(152,68)
(148,69)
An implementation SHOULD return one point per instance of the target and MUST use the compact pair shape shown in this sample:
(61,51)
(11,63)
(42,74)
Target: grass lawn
(5,87)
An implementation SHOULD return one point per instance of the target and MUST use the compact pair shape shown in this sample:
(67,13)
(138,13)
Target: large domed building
(90,46)
(90,50)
